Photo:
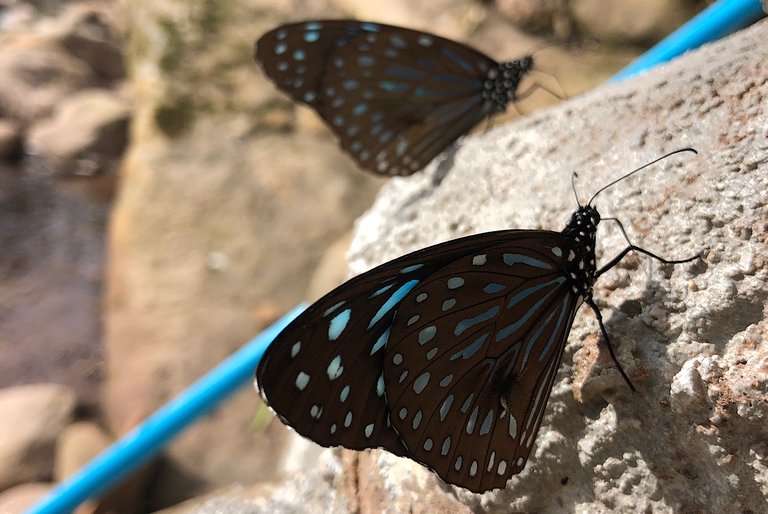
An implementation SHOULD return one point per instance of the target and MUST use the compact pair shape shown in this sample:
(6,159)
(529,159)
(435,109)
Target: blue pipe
(142,443)
(716,21)
(146,440)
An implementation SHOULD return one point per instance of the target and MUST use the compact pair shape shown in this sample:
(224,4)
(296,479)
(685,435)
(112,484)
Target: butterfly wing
(394,97)
(323,374)
(472,356)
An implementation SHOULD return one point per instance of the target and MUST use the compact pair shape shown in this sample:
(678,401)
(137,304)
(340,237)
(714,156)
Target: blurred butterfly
(447,355)
(394,97)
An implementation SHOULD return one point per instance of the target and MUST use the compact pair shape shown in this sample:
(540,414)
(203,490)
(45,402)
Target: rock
(318,495)
(87,31)
(19,498)
(16,15)
(10,140)
(52,236)
(77,445)
(533,15)
(453,19)
(166,304)
(693,338)
(86,134)
(332,269)
(629,22)
(35,416)
(35,75)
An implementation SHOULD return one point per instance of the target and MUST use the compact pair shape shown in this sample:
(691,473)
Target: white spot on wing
(302,379)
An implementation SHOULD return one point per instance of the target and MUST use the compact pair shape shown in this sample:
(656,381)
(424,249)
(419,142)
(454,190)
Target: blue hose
(716,21)
(146,440)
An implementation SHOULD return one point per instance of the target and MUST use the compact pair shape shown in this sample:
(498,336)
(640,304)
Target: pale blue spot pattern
(338,324)
(426,334)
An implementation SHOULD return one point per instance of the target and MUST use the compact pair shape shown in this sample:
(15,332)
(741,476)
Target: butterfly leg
(533,87)
(635,248)
(599,316)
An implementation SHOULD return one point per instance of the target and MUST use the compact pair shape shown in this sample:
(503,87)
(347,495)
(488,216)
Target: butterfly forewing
(472,356)
(323,374)
(320,376)
(394,97)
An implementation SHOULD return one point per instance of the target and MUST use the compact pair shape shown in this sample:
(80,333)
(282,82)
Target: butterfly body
(446,355)
(394,97)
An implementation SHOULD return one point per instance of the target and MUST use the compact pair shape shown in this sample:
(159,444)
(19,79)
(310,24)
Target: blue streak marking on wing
(466,324)
(449,112)
(383,289)
(424,62)
(546,349)
(457,59)
(333,308)
(472,349)
(393,300)
(530,290)
(394,70)
(421,91)
(338,324)
(493,287)
(370,27)
(515,258)
(413,267)
(381,341)
(313,25)
(535,337)
(397,87)
(509,329)
(311,37)
(449,78)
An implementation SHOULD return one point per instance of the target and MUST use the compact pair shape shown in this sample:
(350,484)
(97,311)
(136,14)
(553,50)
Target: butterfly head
(525,63)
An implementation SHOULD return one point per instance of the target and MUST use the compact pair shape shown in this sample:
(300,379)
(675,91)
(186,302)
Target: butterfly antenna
(638,169)
(573,186)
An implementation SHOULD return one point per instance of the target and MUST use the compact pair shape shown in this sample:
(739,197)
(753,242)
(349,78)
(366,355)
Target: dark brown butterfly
(394,97)
(446,355)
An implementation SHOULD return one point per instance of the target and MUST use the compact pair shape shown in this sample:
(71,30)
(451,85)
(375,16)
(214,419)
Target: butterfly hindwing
(472,356)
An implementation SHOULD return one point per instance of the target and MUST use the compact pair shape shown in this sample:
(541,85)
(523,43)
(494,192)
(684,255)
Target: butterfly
(394,97)
(446,355)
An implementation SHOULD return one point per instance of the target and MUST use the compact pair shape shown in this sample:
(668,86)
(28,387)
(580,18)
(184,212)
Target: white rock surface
(87,132)
(32,418)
